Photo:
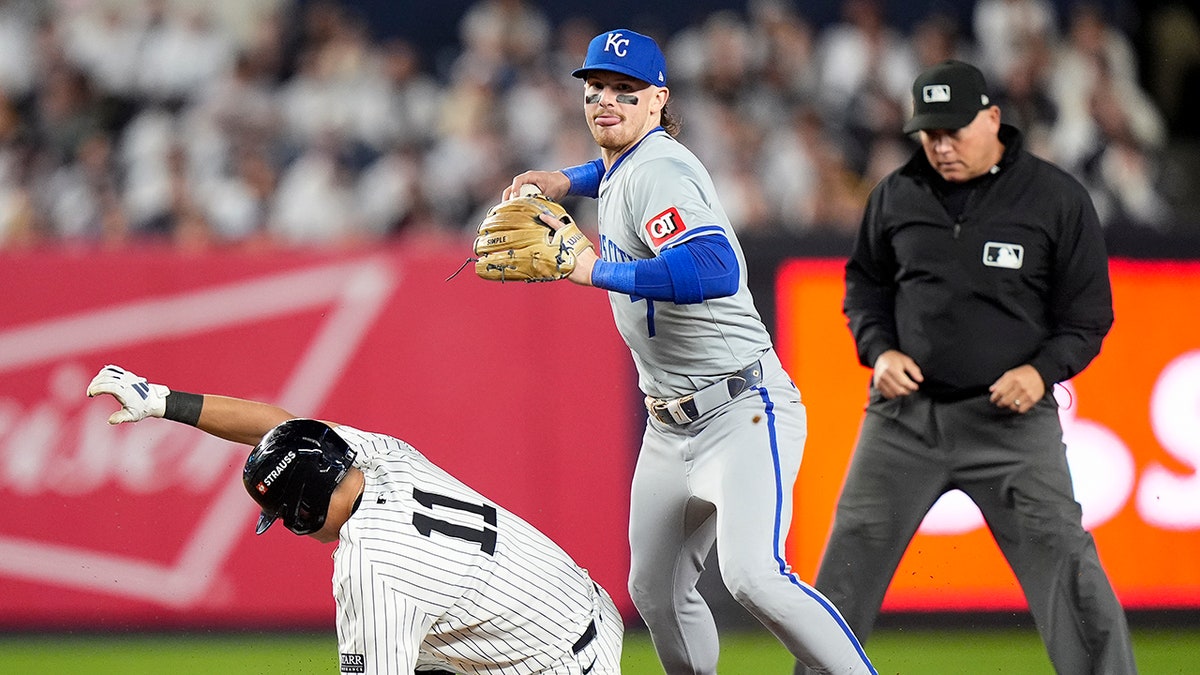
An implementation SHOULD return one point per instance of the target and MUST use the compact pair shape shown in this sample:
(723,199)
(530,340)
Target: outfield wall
(523,391)
(147,526)
(1131,423)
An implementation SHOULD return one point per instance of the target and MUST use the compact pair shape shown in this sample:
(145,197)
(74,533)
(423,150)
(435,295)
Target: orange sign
(1131,422)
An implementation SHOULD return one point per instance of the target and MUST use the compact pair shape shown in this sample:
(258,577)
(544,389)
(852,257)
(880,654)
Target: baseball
(529,189)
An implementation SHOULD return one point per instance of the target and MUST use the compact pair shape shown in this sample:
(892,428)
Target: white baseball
(528,190)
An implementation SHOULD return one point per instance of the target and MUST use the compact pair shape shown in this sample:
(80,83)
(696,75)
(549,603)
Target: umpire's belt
(679,411)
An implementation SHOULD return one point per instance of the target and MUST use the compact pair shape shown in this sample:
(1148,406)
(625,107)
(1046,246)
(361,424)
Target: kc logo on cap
(617,43)
(628,53)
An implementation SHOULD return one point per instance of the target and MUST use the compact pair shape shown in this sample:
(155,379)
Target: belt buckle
(675,408)
(656,408)
(674,413)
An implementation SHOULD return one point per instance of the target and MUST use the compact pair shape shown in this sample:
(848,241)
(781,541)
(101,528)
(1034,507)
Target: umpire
(978,280)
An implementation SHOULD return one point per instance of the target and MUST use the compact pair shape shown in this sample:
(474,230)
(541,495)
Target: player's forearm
(239,420)
(584,180)
(694,271)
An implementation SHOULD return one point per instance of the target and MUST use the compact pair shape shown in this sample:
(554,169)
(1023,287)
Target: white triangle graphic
(356,292)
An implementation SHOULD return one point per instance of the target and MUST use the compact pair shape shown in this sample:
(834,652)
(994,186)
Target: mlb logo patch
(1000,254)
(936,93)
(664,226)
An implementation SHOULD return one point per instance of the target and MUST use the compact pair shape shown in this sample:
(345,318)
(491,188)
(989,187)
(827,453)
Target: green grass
(894,651)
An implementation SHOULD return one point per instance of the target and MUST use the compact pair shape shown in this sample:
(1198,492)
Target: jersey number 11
(485,537)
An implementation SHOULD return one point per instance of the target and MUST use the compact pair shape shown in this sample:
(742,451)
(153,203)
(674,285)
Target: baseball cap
(626,52)
(947,96)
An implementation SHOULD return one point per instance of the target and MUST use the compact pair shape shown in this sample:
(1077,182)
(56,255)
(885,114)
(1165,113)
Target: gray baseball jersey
(430,572)
(656,196)
(726,476)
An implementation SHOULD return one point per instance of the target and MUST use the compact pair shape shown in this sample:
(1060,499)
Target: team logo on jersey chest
(1000,254)
(664,226)
(353,663)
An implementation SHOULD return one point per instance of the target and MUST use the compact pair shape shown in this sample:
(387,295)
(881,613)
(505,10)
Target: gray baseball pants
(910,451)
(727,480)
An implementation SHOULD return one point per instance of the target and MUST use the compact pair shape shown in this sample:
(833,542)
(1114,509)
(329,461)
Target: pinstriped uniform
(429,572)
(726,476)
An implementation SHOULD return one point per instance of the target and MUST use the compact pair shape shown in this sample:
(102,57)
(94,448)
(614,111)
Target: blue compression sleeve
(585,178)
(702,268)
(697,270)
(618,277)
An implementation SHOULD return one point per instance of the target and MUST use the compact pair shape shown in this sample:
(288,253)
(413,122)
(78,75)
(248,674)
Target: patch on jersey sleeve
(664,226)
(353,663)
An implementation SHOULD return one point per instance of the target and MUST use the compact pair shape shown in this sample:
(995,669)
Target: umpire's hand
(1018,389)
(896,374)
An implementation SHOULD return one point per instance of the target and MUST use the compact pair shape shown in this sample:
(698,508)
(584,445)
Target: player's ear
(659,100)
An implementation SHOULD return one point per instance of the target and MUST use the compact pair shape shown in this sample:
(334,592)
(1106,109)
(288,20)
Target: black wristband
(183,407)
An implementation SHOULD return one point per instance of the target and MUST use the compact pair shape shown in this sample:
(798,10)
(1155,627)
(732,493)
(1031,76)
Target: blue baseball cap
(626,52)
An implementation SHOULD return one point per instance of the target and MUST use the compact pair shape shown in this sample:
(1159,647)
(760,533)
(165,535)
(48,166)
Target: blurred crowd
(291,124)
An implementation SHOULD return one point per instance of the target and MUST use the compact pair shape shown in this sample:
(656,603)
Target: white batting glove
(138,398)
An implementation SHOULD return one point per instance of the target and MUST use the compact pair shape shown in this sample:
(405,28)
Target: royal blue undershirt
(585,178)
(696,270)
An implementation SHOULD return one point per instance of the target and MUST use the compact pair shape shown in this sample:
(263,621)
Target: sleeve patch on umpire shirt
(665,226)
(353,663)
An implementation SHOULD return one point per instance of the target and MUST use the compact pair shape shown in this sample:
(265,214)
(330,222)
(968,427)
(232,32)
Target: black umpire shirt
(1018,274)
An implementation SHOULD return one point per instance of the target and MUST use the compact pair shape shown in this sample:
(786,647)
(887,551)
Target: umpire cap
(293,471)
(947,96)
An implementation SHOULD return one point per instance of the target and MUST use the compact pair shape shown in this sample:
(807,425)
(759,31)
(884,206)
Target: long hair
(669,122)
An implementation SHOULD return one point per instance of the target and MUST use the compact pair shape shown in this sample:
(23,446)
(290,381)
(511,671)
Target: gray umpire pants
(910,451)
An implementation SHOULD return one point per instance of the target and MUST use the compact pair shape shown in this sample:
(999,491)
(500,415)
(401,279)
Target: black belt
(589,633)
(680,411)
(584,640)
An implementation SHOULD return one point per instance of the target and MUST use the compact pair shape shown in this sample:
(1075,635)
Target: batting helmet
(293,471)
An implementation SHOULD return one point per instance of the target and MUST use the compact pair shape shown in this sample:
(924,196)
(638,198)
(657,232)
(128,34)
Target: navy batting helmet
(293,471)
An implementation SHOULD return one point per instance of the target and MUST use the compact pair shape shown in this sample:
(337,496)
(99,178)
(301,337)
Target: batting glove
(138,398)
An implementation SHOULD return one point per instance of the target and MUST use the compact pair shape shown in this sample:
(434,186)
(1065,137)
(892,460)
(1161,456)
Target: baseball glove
(513,244)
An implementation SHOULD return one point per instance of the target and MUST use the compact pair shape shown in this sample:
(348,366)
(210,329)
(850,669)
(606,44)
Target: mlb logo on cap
(947,96)
(626,52)
(936,93)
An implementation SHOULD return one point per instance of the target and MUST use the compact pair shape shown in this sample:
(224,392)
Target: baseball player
(428,575)
(726,427)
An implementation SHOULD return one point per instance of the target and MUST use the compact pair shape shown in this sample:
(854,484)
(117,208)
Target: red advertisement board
(148,526)
(1131,424)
